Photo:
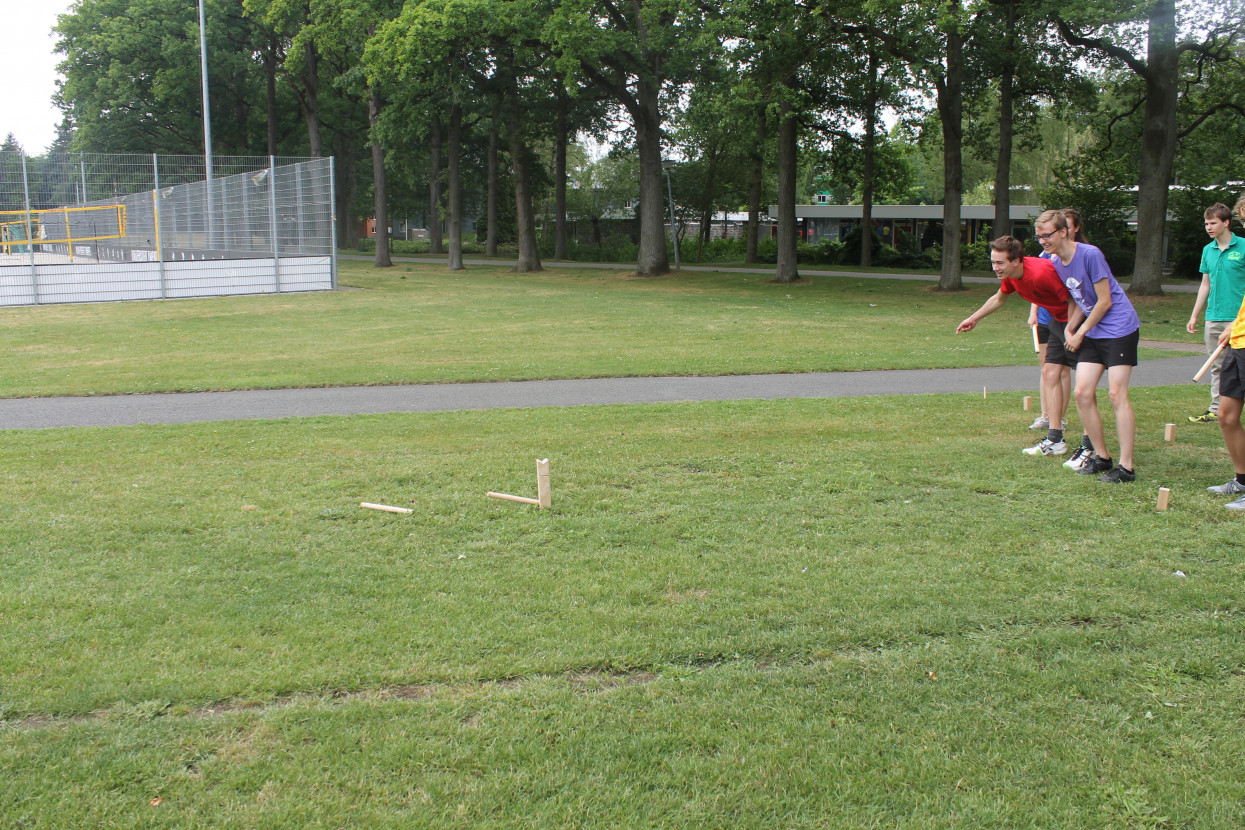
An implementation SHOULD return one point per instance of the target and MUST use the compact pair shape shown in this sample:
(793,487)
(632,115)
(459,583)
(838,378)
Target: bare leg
(1052,390)
(1065,383)
(1233,432)
(1042,397)
(1087,377)
(1125,419)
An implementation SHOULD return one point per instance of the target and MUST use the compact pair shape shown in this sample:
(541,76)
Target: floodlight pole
(207,122)
(666,164)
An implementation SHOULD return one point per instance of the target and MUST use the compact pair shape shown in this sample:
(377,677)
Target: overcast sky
(29,69)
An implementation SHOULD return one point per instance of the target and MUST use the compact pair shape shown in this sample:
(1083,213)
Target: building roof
(928,212)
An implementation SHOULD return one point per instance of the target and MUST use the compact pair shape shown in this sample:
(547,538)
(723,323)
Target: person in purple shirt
(1103,331)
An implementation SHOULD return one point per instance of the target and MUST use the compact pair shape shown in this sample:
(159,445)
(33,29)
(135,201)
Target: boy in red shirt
(1035,280)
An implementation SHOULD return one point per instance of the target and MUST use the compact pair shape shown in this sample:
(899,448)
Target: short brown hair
(1013,248)
(1072,216)
(1219,211)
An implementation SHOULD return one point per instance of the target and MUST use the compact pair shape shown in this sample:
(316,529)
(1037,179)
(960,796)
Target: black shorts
(1110,351)
(1055,351)
(1232,374)
(1043,331)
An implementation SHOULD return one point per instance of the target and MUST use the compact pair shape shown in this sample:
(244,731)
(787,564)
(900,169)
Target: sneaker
(1046,447)
(1206,417)
(1094,464)
(1040,422)
(1078,458)
(1239,504)
(1117,476)
(1232,488)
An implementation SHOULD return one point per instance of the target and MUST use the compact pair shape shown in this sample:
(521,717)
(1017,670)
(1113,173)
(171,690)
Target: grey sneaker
(1046,447)
(1040,422)
(1232,488)
(1239,504)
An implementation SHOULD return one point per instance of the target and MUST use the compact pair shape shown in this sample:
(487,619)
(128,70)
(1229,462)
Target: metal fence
(90,227)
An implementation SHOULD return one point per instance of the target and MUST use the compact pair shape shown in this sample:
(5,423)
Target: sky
(29,68)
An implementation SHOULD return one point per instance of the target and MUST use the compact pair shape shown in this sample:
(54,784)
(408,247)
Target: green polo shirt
(1227,278)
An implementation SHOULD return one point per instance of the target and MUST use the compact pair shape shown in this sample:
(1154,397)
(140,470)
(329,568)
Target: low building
(821,221)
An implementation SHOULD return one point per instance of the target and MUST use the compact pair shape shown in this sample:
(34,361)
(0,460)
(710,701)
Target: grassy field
(804,613)
(423,324)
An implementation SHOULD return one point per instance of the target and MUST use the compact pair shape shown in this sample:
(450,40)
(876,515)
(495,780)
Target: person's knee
(1119,398)
(1085,396)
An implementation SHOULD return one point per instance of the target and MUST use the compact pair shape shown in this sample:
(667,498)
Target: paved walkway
(179,408)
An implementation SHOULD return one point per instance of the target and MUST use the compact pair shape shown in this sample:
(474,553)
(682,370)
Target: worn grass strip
(423,324)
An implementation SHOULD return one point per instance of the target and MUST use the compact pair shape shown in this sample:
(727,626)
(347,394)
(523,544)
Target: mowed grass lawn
(799,613)
(424,324)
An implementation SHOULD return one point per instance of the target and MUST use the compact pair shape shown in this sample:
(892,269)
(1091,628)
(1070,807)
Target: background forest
(526,118)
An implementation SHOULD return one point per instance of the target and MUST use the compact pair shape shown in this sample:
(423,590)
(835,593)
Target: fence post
(82,172)
(30,237)
(272,210)
(333,220)
(155,220)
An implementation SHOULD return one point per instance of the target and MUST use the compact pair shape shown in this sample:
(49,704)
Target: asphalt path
(190,407)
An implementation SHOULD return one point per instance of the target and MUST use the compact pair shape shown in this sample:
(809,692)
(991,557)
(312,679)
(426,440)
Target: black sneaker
(1118,476)
(1094,465)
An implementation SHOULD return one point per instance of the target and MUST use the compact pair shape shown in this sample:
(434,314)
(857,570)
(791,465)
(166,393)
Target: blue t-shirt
(1089,266)
(1043,314)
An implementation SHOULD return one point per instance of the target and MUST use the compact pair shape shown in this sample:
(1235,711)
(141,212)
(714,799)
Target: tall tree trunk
(455,184)
(756,170)
(490,211)
(788,149)
(866,181)
(347,192)
(435,233)
(951,113)
(1158,148)
(706,204)
(270,96)
(525,212)
(559,177)
(1003,168)
(380,186)
(652,258)
(311,100)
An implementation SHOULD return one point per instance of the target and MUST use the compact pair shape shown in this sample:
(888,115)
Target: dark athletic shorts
(1055,352)
(1111,351)
(1232,374)
(1043,333)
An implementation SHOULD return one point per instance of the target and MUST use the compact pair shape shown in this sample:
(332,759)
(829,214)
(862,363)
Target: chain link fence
(89,227)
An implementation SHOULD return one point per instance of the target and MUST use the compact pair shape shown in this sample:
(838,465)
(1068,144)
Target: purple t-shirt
(1087,267)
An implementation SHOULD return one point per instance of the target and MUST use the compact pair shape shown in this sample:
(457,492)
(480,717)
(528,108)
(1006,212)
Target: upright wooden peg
(1169,432)
(544,496)
(1164,495)
(1028,402)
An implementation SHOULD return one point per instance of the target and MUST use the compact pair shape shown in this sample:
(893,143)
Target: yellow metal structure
(63,226)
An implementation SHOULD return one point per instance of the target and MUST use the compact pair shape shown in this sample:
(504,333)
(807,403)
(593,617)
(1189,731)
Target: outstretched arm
(987,308)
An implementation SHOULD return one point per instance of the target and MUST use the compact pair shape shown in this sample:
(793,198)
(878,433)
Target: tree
(1206,45)
(632,52)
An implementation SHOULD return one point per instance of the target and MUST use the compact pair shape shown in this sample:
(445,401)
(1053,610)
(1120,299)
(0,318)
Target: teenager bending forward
(1103,331)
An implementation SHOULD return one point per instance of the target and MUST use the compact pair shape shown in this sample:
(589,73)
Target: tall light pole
(666,164)
(207,113)
(207,125)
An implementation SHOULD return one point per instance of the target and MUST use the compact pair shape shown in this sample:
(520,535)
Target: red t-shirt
(1041,285)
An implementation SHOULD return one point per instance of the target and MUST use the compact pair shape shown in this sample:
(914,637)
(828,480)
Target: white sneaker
(1046,447)
(1078,458)
(1040,422)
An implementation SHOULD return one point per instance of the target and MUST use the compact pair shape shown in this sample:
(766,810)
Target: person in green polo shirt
(1221,292)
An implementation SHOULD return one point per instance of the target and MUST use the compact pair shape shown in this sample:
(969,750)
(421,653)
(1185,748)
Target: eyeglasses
(1042,237)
